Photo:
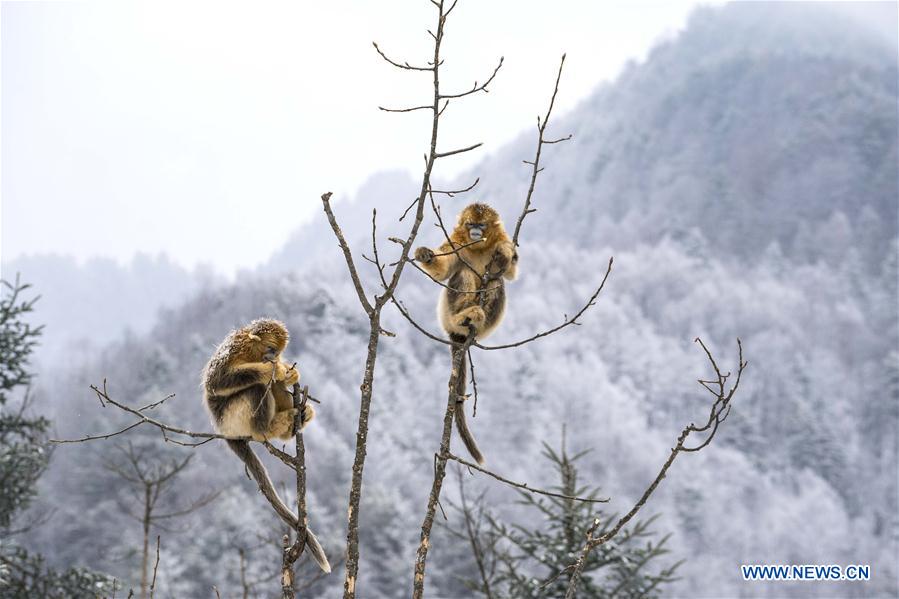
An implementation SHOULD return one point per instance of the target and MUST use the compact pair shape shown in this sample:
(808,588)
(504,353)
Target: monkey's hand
(306,417)
(282,425)
(424,255)
(292,375)
(502,258)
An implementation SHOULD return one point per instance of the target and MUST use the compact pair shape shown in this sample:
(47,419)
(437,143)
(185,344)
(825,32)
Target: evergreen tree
(23,458)
(531,560)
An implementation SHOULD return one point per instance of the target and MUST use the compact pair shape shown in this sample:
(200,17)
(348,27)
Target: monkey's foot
(282,424)
(308,415)
(473,315)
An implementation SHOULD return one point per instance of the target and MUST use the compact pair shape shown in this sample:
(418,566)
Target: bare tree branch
(541,129)
(719,411)
(424,544)
(568,321)
(155,568)
(98,437)
(104,398)
(458,151)
(475,88)
(472,531)
(401,65)
(374,311)
(523,486)
(452,193)
(348,256)
(292,552)
(411,109)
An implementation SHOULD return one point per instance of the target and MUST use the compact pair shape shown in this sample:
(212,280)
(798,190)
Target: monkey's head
(477,222)
(262,340)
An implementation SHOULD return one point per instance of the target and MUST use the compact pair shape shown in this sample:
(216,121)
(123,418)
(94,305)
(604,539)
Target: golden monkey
(246,390)
(491,250)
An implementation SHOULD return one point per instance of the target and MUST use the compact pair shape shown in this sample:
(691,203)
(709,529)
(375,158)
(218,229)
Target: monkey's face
(475,231)
(478,222)
(265,340)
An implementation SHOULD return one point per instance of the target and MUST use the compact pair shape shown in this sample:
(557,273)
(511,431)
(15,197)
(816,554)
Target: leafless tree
(180,436)
(389,280)
(151,479)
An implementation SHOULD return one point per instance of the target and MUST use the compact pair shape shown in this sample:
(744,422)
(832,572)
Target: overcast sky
(209,130)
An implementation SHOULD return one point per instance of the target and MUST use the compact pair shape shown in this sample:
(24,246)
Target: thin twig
(476,548)
(476,88)
(459,150)
(97,437)
(452,193)
(719,407)
(568,321)
(541,129)
(347,255)
(104,398)
(524,486)
(474,385)
(155,567)
(404,65)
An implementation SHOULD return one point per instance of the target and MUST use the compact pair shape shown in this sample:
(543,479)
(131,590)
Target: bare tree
(389,282)
(151,479)
(178,436)
(437,103)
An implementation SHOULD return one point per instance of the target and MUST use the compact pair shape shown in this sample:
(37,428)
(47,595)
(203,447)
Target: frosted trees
(23,457)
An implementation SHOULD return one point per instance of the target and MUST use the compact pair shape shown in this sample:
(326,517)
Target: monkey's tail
(260,475)
(461,424)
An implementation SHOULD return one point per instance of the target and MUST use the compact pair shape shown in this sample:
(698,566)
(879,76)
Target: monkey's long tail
(461,424)
(260,475)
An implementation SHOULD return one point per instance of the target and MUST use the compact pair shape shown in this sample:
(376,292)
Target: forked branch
(389,284)
(535,163)
(719,411)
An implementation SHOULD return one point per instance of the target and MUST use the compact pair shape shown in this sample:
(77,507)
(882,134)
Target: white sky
(209,130)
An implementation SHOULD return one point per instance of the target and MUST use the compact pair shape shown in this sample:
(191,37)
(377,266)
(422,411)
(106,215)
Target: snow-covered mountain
(745,179)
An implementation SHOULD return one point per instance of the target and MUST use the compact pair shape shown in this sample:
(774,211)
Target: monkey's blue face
(476,231)
(270,354)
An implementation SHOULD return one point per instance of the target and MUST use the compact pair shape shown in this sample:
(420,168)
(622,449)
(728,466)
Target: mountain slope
(744,178)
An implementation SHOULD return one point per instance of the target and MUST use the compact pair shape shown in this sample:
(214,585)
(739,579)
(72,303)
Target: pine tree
(530,560)
(23,458)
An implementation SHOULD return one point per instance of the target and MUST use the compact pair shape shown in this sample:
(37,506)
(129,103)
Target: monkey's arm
(236,379)
(440,266)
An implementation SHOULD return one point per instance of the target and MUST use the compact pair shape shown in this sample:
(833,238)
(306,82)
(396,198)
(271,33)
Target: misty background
(742,170)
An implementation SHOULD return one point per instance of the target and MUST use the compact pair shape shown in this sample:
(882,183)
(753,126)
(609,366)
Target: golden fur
(247,383)
(462,271)
(487,249)
(247,391)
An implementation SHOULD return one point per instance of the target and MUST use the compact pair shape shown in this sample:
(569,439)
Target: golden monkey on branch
(246,386)
(477,246)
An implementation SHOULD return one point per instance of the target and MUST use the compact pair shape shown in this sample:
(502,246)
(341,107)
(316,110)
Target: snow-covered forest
(744,177)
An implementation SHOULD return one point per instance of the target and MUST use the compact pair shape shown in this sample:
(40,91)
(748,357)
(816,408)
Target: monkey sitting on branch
(247,392)
(477,246)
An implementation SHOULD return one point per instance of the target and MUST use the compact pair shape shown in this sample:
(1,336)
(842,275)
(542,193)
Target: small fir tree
(531,561)
(23,458)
